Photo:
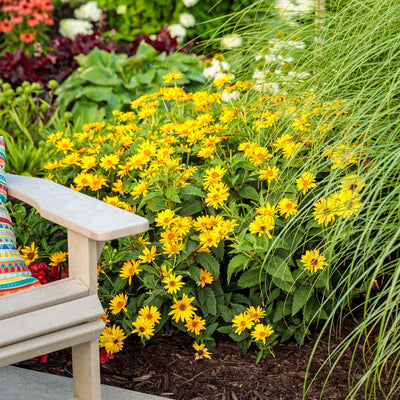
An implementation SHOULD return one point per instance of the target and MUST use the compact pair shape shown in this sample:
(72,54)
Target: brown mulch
(166,367)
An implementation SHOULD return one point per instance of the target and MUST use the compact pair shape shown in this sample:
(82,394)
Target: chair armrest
(75,211)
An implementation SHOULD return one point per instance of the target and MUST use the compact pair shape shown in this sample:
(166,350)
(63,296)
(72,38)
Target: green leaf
(146,77)
(191,207)
(99,76)
(225,329)
(238,263)
(145,51)
(249,192)
(210,263)
(278,268)
(250,278)
(300,297)
(171,193)
(149,281)
(119,284)
(192,190)
(207,300)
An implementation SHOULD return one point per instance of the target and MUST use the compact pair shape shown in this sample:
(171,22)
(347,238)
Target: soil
(166,367)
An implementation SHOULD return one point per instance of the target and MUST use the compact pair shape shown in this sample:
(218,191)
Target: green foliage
(24,116)
(105,82)
(220,184)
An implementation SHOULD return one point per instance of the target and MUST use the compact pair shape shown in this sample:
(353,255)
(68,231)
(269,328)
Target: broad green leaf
(99,76)
(207,300)
(146,77)
(119,284)
(278,268)
(145,51)
(300,297)
(249,192)
(210,263)
(238,263)
(250,278)
(171,193)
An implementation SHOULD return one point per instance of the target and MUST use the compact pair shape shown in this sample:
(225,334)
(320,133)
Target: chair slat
(51,319)
(40,297)
(51,342)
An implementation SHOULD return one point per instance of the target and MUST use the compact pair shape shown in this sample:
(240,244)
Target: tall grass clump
(352,54)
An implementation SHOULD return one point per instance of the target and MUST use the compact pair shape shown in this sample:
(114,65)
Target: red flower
(104,356)
(5,26)
(27,37)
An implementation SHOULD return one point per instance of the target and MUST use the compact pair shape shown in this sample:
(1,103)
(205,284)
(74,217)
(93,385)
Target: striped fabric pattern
(14,274)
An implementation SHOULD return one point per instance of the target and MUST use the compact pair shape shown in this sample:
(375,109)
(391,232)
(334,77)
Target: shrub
(219,183)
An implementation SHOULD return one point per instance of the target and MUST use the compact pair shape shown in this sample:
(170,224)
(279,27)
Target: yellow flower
(54,137)
(218,193)
(261,332)
(313,261)
(262,225)
(141,189)
(139,102)
(118,303)
(268,210)
(129,269)
(305,182)
(88,162)
(97,182)
(173,248)
(287,207)
(148,255)
(282,141)
(196,324)
(83,180)
(269,174)
(64,144)
(150,313)
(301,124)
(209,238)
(213,175)
(205,278)
(109,161)
(29,253)
(182,309)
(182,225)
(143,327)
(206,152)
(146,112)
(290,149)
(201,351)
(71,159)
(241,322)
(57,258)
(173,283)
(112,339)
(221,82)
(118,186)
(323,212)
(171,77)
(227,115)
(256,313)
(164,218)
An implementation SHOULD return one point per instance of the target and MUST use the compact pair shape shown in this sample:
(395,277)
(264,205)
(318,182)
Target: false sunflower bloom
(173,283)
(201,351)
(143,327)
(118,303)
(205,278)
(57,258)
(129,269)
(313,261)
(256,313)
(196,324)
(241,322)
(306,182)
(112,339)
(261,332)
(150,313)
(29,253)
(182,309)
(287,207)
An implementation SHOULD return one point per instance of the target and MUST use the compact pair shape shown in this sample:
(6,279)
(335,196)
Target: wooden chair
(64,313)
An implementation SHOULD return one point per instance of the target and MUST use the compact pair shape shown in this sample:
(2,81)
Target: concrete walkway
(23,384)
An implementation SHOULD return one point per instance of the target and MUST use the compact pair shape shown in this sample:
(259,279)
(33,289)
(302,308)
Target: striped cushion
(14,274)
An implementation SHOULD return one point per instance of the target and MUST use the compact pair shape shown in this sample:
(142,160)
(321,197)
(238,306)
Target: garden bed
(166,367)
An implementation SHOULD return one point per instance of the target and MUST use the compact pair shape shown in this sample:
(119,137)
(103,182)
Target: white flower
(305,6)
(225,66)
(121,9)
(227,97)
(71,27)
(270,58)
(259,74)
(190,3)
(153,37)
(187,20)
(210,72)
(286,9)
(231,41)
(88,11)
(178,31)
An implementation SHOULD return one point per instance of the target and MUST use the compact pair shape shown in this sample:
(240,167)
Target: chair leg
(86,370)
